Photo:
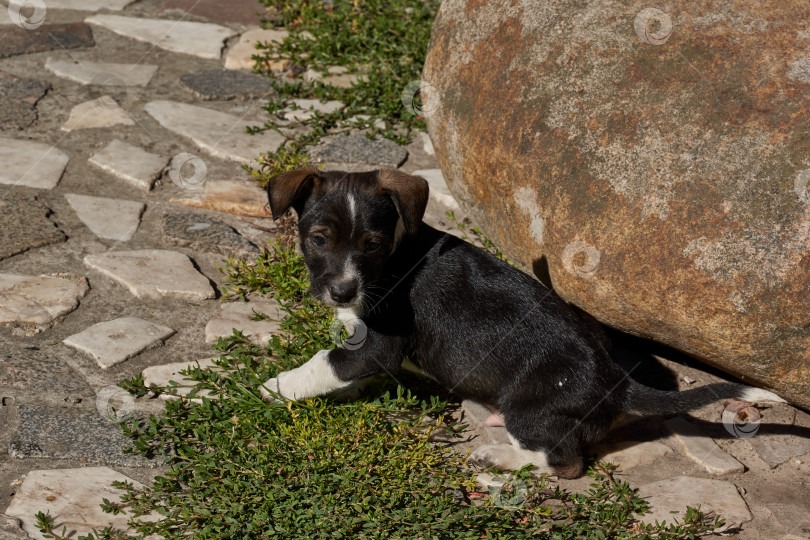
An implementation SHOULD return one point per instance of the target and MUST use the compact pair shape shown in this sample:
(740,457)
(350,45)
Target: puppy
(482,328)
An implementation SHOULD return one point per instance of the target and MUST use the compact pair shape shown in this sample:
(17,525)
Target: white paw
(270,386)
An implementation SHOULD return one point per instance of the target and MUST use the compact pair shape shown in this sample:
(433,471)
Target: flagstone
(240,56)
(629,454)
(702,449)
(204,233)
(73,497)
(38,300)
(306,109)
(130,164)
(98,113)
(102,73)
(240,197)
(26,372)
(226,84)
(355,147)
(153,273)
(82,5)
(669,498)
(162,375)
(204,40)
(111,342)
(220,134)
(114,219)
(24,224)
(239,316)
(31,164)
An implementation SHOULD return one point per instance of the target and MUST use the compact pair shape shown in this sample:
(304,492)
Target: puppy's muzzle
(344,292)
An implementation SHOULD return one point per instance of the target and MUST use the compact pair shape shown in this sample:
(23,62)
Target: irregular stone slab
(702,449)
(240,56)
(153,273)
(112,342)
(11,527)
(220,134)
(773,449)
(98,113)
(226,84)
(675,494)
(102,73)
(357,148)
(114,219)
(203,233)
(32,372)
(239,316)
(681,201)
(198,39)
(20,96)
(38,300)
(162,375)
(82,5)
(24,223)
(67,433)
(240,197)
(336,76)
(48,37)
(130,164)
(31,164)
(73,497)
(629,454)
(306,109)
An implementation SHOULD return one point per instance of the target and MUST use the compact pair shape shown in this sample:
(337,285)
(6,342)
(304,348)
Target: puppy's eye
(319,240)
(372,246)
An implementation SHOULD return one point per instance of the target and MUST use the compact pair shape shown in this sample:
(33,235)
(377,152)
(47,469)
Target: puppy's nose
(343,292)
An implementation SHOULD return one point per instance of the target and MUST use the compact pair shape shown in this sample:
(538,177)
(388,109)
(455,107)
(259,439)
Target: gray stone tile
(48,37)
(102,73)
(31,373)
(702,449)
(226,84)
(130,164)
(220,134)
(66,433)
(203,233)
(111,342)
(306,108)
(675,494)
(357,148)
(239,316)
(31,164)
(114,219)
(240,197)
(629,454)
(20,97)
(73,497)
(25,224)
(38,300)
(205,40)
(99,113)
(11,527)
(162,375)
(153,273)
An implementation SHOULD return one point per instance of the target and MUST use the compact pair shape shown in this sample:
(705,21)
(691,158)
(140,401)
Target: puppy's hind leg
(551,451)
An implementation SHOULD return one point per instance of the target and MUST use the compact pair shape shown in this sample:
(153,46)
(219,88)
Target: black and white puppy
(483,329)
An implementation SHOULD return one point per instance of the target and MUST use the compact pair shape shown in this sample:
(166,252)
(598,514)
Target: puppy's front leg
(315,378)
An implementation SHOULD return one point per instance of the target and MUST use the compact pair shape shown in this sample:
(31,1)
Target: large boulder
(653,166)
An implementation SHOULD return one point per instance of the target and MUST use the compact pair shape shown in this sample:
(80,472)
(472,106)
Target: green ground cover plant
(383,42)
(324,468)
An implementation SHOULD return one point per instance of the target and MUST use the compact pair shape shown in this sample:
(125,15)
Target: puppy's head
(349,223)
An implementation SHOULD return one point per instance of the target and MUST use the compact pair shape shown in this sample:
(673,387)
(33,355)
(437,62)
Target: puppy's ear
(409,193)
(291,189)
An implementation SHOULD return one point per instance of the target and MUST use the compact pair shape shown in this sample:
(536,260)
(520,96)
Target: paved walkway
(122,142)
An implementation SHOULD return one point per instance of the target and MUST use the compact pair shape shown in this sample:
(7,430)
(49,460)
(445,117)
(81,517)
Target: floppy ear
(409,193)
(291,189)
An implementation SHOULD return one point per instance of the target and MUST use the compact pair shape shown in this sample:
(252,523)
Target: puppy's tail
(644,400)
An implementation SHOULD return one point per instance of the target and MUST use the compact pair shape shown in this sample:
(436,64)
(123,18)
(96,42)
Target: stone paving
(122,139)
